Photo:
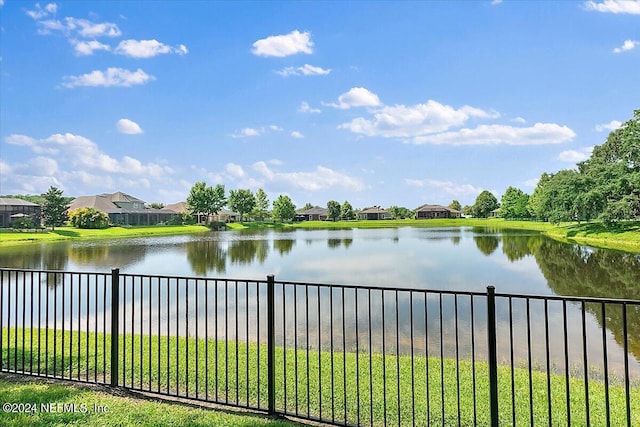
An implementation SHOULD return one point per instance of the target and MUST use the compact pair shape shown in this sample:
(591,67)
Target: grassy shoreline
(625,237)
(368,387)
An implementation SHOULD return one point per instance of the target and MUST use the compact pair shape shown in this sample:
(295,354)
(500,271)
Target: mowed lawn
(40,402)
(343,386)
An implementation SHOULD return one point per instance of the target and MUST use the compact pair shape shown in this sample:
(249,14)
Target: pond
(452,259)
(463,259)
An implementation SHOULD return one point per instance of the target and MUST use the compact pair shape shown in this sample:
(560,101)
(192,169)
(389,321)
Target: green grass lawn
(100,406)
(10,237)
(360,386)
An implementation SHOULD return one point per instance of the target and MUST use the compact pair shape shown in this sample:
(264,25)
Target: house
(123,209)
(223,215)
(12,208)
(496,213)
(316,213)
(436,211)
(374,212)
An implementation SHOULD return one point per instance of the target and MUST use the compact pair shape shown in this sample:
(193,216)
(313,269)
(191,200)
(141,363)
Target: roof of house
(121,197)
(106,203)
(316,210)
(12,201)
(373,209)
(176,207)
(434,208)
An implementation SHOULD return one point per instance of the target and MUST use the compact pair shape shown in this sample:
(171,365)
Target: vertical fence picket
(59,346)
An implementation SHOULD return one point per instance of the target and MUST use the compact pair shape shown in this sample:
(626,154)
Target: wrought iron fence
(346,355)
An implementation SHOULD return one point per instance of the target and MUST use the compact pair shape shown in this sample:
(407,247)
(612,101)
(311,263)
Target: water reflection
(206,256)
(487,244)
(455,259)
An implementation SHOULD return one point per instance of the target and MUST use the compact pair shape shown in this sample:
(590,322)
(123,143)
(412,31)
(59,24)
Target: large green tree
(346,211)
(333,210)
(206,200)
(455,205)
(513,204)
(605,186)
(261,208)
(283,208)
(612,174)
(53,208)
(485,203)
(241,201)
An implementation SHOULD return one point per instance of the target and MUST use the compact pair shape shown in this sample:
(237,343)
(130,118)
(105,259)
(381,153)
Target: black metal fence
(347,355)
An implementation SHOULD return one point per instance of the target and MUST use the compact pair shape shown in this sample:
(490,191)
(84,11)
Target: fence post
(115,319)
(271,344)
(493,355)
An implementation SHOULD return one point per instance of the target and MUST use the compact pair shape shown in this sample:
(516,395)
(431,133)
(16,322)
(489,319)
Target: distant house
(495,213)
(316,213)
(436,211)
(123,209)
(374,212)
(223,215)
(12,209)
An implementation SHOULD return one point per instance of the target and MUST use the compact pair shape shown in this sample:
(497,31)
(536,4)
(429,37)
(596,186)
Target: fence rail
(346,355)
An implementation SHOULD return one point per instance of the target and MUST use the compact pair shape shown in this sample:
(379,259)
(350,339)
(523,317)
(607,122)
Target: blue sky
(378,103)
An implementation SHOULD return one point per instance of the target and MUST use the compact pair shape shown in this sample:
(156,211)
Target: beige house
(123,209)
(375,212)
(223,215)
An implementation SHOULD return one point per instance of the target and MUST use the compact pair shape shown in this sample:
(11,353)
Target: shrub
(88,218)
(23,222)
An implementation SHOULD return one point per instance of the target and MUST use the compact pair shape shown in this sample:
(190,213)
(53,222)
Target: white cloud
(41,12)
(110,77)
(305,70)
(80,27)
(83,154)
(495,2)
(356,97)
(128,127)
(519,120)
(631,7)
(79,166)
(5,168)
(414,121)
(147,48)
(284,45)
(246,132)
(627,45)
(305,108)
(538,134)
(234,170)
(322,178)
(575,156)
(85,48)
(611,126)
(87,28)
(296,134)
(447,187)
(43,166)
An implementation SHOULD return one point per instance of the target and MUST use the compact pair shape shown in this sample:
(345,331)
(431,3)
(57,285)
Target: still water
(457,259)
(463,259)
